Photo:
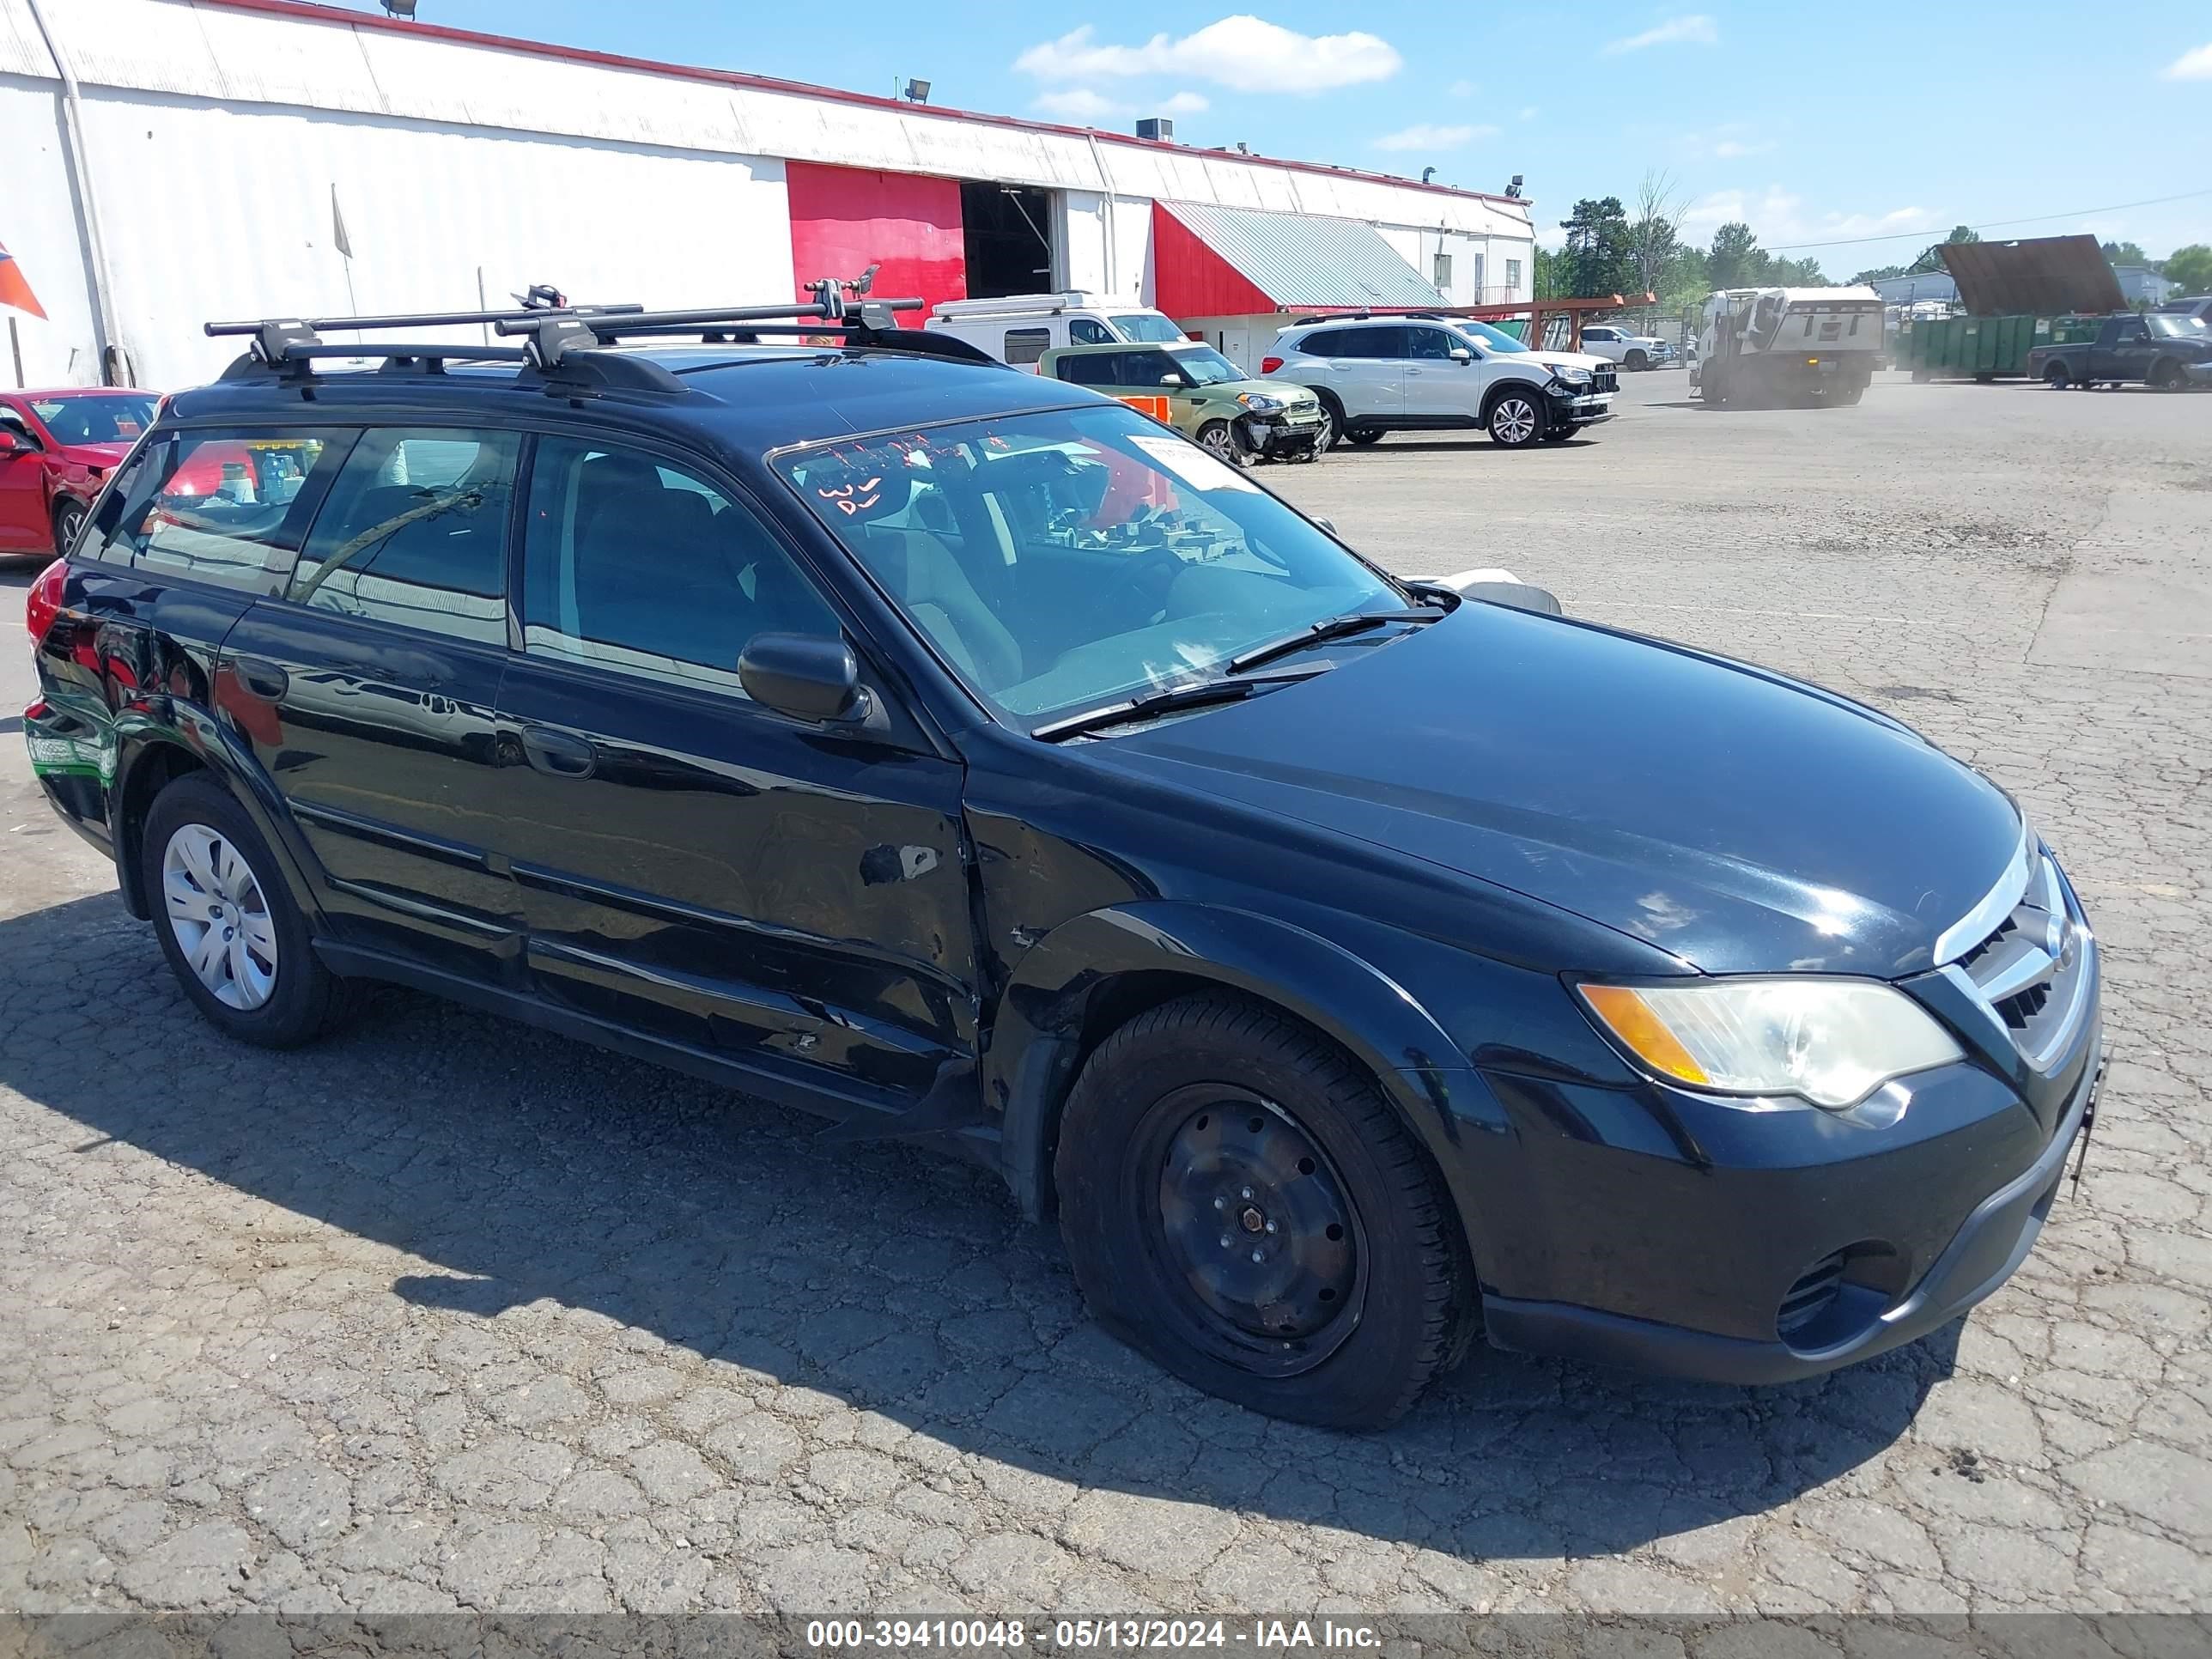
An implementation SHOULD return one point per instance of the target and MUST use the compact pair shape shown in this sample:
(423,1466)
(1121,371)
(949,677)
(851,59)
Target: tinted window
(1026,345)
(1358,343)
(1090,368)
(1088,330)
(414,532)
(228,508)
(1430,343)
(108,419)
(633,565)
(1148,326)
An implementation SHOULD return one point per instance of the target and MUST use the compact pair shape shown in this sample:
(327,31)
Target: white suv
(1633,352)
(1426,373)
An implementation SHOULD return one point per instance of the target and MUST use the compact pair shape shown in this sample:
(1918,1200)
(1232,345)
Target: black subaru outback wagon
(1354,966)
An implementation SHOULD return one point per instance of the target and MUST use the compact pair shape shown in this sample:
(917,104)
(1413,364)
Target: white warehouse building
(168,161)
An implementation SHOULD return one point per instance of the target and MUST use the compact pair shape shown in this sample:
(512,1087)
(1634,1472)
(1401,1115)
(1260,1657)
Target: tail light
(1269,365)
(45,602)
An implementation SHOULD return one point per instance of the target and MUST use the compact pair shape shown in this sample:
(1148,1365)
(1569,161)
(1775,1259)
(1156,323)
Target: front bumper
(1276,436)
(1586,408)
(1987,1247)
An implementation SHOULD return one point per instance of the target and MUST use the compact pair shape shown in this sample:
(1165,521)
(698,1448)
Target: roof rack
(564,343)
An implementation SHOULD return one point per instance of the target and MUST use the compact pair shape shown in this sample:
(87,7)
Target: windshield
(1206,366)
(1148,328)
(108,420)
(2177,328)
(1496,338)
(1062,560)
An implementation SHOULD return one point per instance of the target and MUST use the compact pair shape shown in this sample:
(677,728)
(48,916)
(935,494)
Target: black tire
(1392,1291)
(1852,393)
(1360,437)
(1635,362)
(2165,376)
(1715,394)
(68,519)
(1332,414)
(1559,435)
(1516,418)
(305,999)
(2056,377)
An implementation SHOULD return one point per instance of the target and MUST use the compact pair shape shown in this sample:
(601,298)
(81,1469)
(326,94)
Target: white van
(1022,327)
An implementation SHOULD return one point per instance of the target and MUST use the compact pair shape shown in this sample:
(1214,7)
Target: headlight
(1260,403)
(1569,374)
(1831,1041)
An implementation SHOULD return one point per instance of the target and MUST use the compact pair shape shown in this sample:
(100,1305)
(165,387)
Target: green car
(1201,394)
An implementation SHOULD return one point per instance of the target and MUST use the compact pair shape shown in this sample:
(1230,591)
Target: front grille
(1809,1297)
(1605,379)
(2031,970)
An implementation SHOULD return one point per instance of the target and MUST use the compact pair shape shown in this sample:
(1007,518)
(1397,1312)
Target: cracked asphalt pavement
(450,1314)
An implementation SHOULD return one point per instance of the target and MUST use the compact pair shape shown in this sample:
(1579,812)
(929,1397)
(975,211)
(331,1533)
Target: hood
(1742,822)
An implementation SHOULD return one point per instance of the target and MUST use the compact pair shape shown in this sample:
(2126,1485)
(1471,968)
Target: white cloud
(1243,51)
(1085,105)
(1462,88)
(1728,150)
(2191,65)
(1424,136)
(1696,29)
(1778,218)
(1730,141)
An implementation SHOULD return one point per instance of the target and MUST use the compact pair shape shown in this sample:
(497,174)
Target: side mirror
(1172,379)
(13,440)
(807,676)
(1461,355)
(1502,587)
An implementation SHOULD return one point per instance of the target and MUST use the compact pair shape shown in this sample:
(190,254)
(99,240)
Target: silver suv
(1425,373)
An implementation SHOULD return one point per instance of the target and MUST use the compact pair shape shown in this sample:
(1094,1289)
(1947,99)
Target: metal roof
(1301,262)
(2042,277)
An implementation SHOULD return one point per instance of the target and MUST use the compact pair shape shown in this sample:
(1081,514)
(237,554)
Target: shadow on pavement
(536,1175)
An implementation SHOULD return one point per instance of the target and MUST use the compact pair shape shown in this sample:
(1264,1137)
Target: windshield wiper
(1331,627)
(1153,704)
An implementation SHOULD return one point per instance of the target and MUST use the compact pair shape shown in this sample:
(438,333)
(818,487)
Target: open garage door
(1008,236)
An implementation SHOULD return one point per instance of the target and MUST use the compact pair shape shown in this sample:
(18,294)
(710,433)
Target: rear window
(1026,345)
(229,507)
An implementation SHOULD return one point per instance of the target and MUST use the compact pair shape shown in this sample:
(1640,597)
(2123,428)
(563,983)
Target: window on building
(636,566)
(1512,277)
(415,533)
(1026,345)
(227,507)
(1443,277)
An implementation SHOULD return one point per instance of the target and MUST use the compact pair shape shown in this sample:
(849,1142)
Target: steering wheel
(1143,581)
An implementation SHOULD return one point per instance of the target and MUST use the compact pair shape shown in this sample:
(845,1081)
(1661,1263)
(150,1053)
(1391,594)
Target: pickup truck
(1633,352)
(2158,349)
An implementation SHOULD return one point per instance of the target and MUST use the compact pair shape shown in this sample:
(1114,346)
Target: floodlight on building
(917,92)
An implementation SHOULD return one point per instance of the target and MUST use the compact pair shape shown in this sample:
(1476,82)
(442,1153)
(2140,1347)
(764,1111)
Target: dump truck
(1790,346)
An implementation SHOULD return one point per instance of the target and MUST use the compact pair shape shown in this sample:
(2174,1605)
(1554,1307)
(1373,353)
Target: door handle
(559,753)
(264,680)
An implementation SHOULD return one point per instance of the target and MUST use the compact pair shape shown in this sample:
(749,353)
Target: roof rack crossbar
(418,318)
(411,350)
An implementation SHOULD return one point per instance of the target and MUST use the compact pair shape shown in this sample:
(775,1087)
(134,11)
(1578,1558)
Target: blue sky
(1815,125)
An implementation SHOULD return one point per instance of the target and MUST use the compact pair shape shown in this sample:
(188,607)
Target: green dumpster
(1979,348)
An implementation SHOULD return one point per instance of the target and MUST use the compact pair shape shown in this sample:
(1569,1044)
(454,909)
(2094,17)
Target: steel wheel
(1253,1236)
(220,916)
(1514,420)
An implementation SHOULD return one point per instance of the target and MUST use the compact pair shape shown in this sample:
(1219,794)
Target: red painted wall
(844,219)
(1190,279)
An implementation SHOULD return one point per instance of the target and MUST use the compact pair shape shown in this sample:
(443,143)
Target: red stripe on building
(844,219)
(1190,279)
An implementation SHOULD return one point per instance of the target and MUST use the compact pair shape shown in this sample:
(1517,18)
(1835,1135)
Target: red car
(55,450)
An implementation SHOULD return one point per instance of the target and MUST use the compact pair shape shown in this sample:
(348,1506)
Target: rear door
(368,688)
(691,863)
(1366,367)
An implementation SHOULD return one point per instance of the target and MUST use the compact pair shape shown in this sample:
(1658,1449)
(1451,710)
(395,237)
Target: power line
(1993,224)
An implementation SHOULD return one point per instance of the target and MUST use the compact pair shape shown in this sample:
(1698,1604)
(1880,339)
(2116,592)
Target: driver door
(1440,388)
(694,866)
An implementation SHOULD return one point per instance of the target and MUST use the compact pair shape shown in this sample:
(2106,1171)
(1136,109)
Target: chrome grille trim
(2030,972)
(1978,923)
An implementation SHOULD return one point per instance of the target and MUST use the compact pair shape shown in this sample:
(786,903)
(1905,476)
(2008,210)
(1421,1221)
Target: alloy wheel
(220,916)
(67,522)
(1514,420)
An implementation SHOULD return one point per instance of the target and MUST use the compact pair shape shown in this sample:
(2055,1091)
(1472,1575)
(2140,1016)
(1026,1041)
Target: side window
(1087,369)
(228,508)
(1430,343)
(632,565)
(1026,345)
(1395,341)
(1088,330)
(415,533)
(1345,343)
(1597,334)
